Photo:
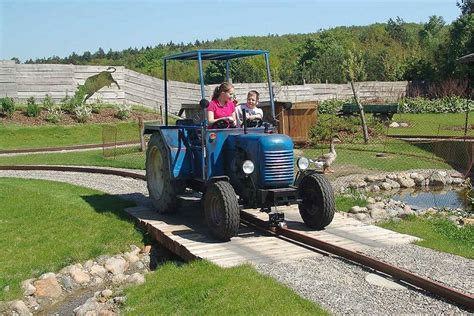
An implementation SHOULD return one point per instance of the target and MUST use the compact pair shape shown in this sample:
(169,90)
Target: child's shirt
(239,113)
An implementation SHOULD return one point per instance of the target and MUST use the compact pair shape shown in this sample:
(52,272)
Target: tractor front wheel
(222,210)
(161,187)
(318,205)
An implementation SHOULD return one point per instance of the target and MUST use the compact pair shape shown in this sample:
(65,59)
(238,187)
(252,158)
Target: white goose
(328,159)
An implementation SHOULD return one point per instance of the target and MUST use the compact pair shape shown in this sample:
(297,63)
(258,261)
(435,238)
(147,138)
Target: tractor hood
(272,155)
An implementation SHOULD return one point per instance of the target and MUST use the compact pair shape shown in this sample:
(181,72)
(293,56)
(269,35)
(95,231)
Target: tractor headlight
(248,167)
(302,163)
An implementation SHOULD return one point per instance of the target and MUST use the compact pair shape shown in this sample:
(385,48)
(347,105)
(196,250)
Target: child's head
(252,98)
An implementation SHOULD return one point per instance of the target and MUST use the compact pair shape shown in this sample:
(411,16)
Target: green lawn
(201,288)
(131,160)
(45,226)
(344,203)
(437,233)
(20,136)
(446,124)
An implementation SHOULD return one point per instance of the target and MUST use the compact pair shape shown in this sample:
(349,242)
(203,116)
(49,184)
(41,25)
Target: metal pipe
(227,71)
(270,88)
(166,93)
(204,122)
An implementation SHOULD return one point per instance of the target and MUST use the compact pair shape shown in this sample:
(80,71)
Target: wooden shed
(295,118)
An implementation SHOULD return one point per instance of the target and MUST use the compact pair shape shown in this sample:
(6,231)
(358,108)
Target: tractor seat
(185,122)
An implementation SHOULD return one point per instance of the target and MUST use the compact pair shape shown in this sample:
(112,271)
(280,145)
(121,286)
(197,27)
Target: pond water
(421,199)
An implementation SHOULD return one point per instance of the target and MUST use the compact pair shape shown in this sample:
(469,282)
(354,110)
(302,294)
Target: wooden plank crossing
(186,234)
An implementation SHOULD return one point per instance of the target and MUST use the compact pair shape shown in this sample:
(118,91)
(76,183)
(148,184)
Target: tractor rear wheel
(318,205)
(221,210)
(161,187)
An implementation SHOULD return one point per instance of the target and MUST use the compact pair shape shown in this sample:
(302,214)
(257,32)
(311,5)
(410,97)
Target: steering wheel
(222,124)
(255,123)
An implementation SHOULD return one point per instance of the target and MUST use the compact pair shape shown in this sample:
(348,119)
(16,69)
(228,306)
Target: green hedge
(443,105)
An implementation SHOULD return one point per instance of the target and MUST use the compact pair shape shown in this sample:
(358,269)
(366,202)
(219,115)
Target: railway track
(296,237)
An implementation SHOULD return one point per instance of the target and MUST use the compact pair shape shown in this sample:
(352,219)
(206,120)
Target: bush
(97,105)
(8,106)
(442,105)
(32,109)
(48,102)
(54,114)
(83,113)
(346,128)
(123,111)
(330,106)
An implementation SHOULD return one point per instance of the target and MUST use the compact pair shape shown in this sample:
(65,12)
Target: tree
(17,61)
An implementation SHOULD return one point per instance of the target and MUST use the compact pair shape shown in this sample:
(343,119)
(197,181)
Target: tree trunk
(361,113)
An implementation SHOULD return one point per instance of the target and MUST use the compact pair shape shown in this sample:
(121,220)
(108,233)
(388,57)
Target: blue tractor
(233,168)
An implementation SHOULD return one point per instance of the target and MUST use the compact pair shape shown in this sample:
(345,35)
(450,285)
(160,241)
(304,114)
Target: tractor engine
(258,163)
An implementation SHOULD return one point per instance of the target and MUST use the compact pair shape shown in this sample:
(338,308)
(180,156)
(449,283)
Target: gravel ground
(337,285)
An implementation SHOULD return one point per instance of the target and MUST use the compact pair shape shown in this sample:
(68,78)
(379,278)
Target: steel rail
(453,295)
(431,286)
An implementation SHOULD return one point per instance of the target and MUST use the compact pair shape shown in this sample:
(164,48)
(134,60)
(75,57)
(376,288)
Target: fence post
(141,127)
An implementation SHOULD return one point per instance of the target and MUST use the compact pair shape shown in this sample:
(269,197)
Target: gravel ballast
(336,284)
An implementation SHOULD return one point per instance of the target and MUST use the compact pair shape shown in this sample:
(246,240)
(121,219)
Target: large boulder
(438,178)
(48,287)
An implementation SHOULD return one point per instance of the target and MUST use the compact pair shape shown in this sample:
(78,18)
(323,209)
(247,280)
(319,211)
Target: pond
(441,198)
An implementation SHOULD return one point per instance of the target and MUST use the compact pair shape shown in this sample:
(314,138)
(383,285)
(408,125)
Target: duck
(326,160)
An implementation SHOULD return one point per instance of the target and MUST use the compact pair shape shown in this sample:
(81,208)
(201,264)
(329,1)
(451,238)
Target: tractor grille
(277,168)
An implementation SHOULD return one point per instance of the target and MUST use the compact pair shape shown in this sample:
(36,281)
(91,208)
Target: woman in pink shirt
(222,107)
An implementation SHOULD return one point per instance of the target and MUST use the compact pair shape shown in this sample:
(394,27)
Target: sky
(44,28)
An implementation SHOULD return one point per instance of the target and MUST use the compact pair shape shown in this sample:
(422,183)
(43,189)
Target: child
(253,113)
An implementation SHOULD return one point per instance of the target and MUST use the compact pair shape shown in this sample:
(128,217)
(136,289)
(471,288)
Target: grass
(437,233)
(201,288)
(20,136)
(131,160)
(446,124)
(344,203)
(46,225)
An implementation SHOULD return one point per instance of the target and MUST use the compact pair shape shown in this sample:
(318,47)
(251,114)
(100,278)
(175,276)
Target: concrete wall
(21,81)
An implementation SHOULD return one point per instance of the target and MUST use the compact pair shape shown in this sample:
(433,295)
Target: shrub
(330,106)
(97,105)
(347,128)
(8,106)
(32,109)
(83,113)
(54,114)
(443,105)
(48,102)
(123,111)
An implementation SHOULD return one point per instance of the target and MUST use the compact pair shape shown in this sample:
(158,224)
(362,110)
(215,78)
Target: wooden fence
(22,81)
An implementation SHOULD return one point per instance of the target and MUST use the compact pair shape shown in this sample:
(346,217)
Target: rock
(370,200)
(391,176)
(407,208)
(457,181)
(403,124)
(89,306)
(394,184)
(358,184)
(137,265)
(134,250)
(419,180)
(380,205)
(375,188)
(371,178)
(406,182)
(98,270)
(394,124)
(102,259)
(97,281)
(28,288)
(48,288)
(20,308)
(130,257)
(467,221)
(67,282)
(31,302)
(357,209)
(120,299)
(6,288)
(106,293)
(438,178)
(47,275)
(378,214)
(454,219)
(88,264)
(119,278)
(385,186)
(116,265)
(136,279)
(414,175)
(361,216)
(80,276)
